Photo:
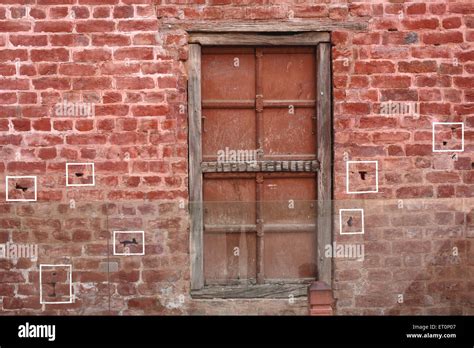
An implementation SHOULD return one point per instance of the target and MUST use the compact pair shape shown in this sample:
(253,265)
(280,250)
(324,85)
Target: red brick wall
(116,54)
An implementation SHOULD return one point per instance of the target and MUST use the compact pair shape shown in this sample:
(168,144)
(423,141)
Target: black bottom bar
(144,331)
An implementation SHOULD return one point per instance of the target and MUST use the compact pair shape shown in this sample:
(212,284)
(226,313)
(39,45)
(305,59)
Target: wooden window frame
(318,39)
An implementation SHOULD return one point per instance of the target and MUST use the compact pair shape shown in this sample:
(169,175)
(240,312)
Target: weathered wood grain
(195,174)
(256,26)
(260,166)
(252,291)
(324,141)
(256,39)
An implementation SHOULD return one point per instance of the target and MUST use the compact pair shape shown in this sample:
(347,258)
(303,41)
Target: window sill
(268,291)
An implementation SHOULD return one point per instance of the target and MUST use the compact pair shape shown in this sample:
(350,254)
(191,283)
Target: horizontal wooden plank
(228,104)
(281,290)
(259,39)
(266,175)
(253,228)
(216,26)
(287,103)
(260,166)
(229,228)
(250,104)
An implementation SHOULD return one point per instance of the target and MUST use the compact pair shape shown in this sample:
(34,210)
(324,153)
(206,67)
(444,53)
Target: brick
(452,23)
(91,26)
(411,220)
(53,26)
(7,69)
(51,55)
(139,53)
(414,192)
(101,12)
(98,2)
(110,40)
(149,110)
(424,23)
(443,177)
(69,40)
(84,125)
(47,69)
(29,40)
(134,83)
(416,9)
(383,81)
(14,26)
(27,167)
(419,150)
(13,54)
(374,67)
(390,137)
(442,38)
(137,25)
(463,82)
(84,139)
(80,12)
(52,82)
(112,110)
(43,124)
(417,66)
(8,98)
(92,55)
(92,83)
(462,7)
(411,246)
(74,69)
(47,153)
(123,12)
(37,13)
(366,39)
(399,95)
(395,37)
(355,108)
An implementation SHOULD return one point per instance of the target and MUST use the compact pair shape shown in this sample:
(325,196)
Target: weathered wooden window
(260,163)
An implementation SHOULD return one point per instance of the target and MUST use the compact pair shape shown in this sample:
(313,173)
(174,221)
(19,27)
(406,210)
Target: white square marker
(71,297)
(448,124)
(80,164)
(348,163)
(127,242)
(361,211)
(7,196)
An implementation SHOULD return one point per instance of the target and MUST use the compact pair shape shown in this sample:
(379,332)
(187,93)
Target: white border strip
(70,285)
(125,254)
(21,199)
(80,164)
(340,221)
(447,123)
(376,177)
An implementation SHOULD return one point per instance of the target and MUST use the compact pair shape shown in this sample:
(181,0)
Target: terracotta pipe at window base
(320,299)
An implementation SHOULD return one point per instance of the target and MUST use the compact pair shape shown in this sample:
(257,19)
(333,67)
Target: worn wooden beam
(257,39)
(250,104)
(252,291)
(275,228)
(195,173)
(256,26)
(324,141)
(260,166)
